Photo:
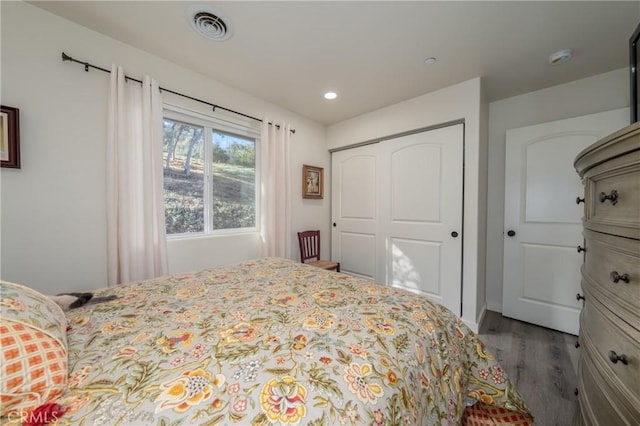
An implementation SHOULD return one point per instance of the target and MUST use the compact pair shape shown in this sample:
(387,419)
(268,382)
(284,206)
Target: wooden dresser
(609,366)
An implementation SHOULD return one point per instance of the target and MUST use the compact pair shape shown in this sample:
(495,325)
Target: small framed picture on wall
(9,137)
(312,182)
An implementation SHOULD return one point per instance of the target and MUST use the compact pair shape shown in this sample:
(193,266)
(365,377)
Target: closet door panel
(415,265)
(416,170)
(357,195)
(421,185)
(354,237)
(358,254)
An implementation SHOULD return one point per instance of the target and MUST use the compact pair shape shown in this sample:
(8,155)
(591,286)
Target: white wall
(482,208)
(599,93)
(53,222)
(461,101)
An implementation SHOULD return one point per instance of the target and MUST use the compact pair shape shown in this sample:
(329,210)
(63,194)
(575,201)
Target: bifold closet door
(397,209)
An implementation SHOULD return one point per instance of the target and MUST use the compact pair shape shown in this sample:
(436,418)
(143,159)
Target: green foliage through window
(209,179)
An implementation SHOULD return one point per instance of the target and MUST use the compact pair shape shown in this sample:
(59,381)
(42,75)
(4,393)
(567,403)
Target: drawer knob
(577,345)
(612,196)
(579,200)
(581,249)
(579,296)
(614,358)
(615,277)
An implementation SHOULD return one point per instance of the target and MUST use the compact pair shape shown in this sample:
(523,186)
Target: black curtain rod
(87,65)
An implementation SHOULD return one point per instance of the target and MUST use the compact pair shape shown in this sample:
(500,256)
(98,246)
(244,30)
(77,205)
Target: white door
(421,222)
(397,213)
(354,181)
(543,229)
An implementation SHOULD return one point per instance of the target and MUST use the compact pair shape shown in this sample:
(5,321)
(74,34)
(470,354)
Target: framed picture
(312,182)
(9,137)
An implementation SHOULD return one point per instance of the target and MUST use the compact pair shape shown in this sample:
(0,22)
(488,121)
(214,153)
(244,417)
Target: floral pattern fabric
(276,342)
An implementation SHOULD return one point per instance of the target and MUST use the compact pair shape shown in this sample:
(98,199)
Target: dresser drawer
(612,267)
(612,193)
(599,403)
(601,333)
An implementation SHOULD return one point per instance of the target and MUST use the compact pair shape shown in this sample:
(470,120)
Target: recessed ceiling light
(330,95)
(560,56)
(430,61)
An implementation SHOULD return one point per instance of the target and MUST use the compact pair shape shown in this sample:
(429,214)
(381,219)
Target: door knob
(334,224)
(511,233)
(579,296)
(579,200)
(454,234)
(581,249)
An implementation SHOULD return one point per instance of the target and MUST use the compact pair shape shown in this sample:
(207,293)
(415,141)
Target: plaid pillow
(33,354)
(481,414)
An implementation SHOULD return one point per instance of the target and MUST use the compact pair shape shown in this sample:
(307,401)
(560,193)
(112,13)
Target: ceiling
(372,52)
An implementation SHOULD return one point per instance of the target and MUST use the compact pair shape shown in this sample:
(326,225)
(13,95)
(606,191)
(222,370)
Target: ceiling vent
(208,23)
(560,57)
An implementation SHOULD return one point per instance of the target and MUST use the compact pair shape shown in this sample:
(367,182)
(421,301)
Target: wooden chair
(310,249)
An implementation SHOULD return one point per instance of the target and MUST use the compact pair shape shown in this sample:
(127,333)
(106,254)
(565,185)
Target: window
(210,175)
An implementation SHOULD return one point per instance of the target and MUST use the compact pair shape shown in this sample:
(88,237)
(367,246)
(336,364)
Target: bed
(264,342)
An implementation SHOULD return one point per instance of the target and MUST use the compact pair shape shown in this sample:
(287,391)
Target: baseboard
(494,306)
(483,312)
(475,326)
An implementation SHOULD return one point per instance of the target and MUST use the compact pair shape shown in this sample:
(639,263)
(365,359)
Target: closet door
(420,186)
(397,213)
(354,205)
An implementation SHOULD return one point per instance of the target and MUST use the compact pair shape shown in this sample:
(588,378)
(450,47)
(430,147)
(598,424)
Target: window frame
(214,124)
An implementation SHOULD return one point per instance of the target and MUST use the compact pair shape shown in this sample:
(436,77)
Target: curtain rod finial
(66,57)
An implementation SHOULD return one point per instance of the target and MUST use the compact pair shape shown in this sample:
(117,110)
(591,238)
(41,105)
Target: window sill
(203,236)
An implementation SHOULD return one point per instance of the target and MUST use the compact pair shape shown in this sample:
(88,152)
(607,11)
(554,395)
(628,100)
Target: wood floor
(541,362)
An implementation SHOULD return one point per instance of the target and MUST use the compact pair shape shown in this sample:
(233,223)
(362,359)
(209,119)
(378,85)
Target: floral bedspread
(272,341)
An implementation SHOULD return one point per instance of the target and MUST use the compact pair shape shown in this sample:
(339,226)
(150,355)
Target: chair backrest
(309,245)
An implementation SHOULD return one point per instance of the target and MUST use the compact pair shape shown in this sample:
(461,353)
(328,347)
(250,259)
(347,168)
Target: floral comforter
(272,341)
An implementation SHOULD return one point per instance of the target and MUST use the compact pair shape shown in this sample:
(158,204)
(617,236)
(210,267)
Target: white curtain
(136,243)
(275,219)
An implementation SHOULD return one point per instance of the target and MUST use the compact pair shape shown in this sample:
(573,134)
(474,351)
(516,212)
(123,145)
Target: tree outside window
(209,179)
